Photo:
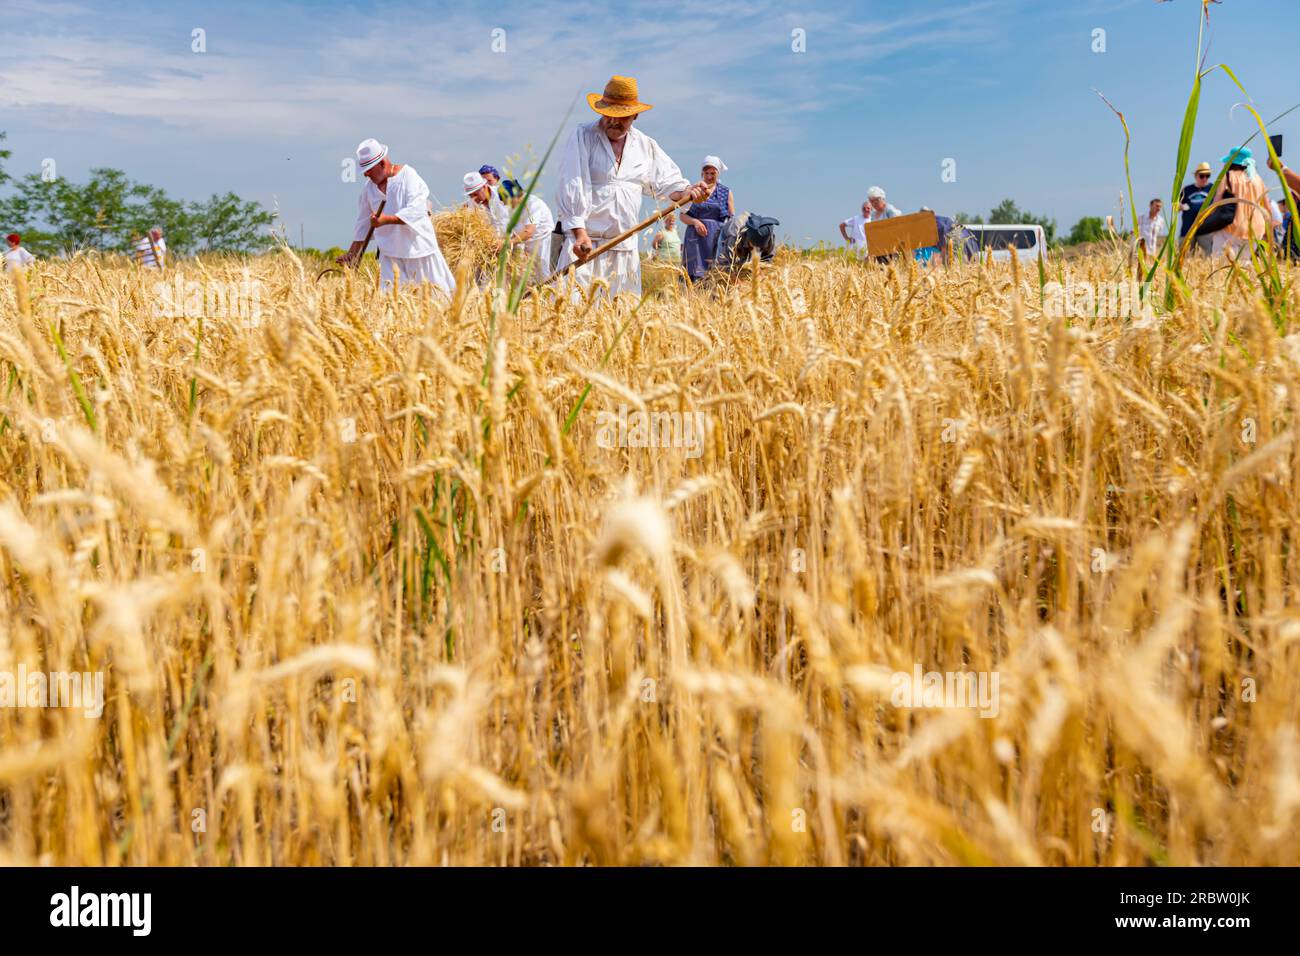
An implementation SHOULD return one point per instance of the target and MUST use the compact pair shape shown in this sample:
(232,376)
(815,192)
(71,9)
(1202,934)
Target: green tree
(230,224)
(72,217)
(1008,213)
(4,154)
(109,211)
(1087,229)
(173,216)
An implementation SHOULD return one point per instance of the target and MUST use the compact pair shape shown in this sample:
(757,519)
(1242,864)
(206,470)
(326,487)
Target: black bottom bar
(334,907)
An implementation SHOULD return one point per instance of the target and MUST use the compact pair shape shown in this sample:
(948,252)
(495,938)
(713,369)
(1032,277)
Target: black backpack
(760,234)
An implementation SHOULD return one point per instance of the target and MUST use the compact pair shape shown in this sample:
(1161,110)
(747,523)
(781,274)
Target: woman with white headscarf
(703,220)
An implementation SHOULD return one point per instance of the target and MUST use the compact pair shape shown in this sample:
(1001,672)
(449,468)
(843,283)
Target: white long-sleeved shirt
(536,213)
(16,259)
(498,211)
(1152,229)
(603,196)
(408,199)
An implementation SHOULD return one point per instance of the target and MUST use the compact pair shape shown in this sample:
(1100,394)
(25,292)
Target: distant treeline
(1087,229)
(58,216)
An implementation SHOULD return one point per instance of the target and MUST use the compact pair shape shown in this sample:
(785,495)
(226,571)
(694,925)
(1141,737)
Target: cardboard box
(902,234)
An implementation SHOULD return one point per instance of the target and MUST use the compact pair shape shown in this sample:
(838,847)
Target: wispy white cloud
(308,81)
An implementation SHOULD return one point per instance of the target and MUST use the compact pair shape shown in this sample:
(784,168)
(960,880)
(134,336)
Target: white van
(1027,243)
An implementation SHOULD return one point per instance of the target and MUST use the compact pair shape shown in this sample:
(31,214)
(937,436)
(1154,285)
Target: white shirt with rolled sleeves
(408,252)
(1152,230)
(536,213)
(498,211)
(857,237)
(603,196)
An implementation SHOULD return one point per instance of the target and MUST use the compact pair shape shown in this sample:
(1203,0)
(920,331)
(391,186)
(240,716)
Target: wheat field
(367,587)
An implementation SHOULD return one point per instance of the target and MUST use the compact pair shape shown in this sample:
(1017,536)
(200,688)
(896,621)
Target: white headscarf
(715,162)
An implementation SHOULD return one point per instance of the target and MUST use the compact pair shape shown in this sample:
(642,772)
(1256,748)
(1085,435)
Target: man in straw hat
(404,236)
(606,168)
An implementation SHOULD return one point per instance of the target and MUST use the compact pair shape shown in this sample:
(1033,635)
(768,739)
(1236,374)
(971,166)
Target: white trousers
(431,268)
(537,251)
(620,268)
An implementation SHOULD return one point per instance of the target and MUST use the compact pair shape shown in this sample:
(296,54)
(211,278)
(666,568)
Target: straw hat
(619,99)
(1204,168)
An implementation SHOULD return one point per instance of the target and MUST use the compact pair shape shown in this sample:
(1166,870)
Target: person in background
(478,195)
(1248,195)
(954,242)
(498,199)
(1151,226)
(703,220)
(17,257)
(880,208)
(533,231)
(667,245)
(151,250)
(852,231)
(1292,180)
(1190,202)
(927,254)
(404,236)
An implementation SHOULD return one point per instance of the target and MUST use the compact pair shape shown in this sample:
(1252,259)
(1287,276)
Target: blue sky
(885,92)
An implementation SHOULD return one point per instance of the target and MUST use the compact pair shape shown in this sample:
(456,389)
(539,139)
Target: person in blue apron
(703,220)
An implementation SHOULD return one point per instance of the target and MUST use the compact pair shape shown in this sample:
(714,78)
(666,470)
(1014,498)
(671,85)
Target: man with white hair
(606,167)
(880,209)
(852,231)
(404,236)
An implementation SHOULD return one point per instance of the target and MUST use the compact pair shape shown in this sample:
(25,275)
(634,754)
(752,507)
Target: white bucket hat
(715,162)
(474,182)
(370,152)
